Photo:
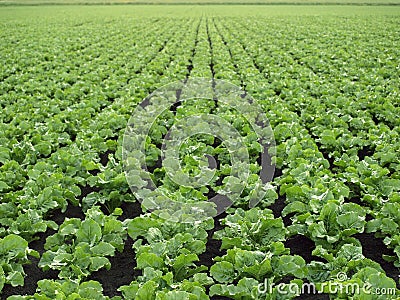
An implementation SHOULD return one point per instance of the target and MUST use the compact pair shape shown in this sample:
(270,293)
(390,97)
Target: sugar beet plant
(72,203)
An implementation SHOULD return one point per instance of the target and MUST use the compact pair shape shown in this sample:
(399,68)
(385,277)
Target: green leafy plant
(66,289)
(14,252)
(254,229)
(82,247)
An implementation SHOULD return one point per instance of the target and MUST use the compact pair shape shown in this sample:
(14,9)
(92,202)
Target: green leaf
(103,249)
(229,243)
(258,271)
(92,199)
(182,264)
(202,279)
(113,226)
(91,290)
(175,295)
(44,148)
(243,290)
(373,225)
(90,232)
(290,265)
(15,278)
(139,226)
(147,291)
(350,220)
(129,291)
(90,165)
(13,247)
(70,227)
(295,207)
(97,263)
(149,260)
(223,272)
(3,186)
(4,157)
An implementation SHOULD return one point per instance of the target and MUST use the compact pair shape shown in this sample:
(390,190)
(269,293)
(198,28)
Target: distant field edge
(196,2)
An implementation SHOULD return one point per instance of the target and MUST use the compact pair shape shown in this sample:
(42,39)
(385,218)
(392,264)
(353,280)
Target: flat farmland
(75,217)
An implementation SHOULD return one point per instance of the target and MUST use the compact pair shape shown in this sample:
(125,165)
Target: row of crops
(330,217)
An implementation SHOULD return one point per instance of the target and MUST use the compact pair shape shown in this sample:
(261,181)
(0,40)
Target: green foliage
(14,253)
(65,289)
(251,230)
(328,82)
(82,247)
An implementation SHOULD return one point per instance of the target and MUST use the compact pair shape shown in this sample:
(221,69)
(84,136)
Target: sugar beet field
(273,173)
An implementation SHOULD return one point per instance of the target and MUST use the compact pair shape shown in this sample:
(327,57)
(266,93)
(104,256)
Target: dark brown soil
(213,246)
(303,246)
